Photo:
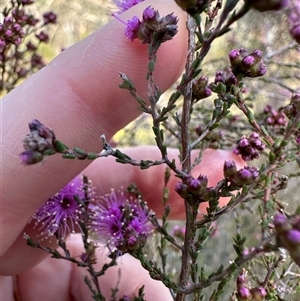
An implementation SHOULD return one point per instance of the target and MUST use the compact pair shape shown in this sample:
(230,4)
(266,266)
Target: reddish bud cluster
(39,142)
(245,293)
(275,118)
(245,176)
(247,65)
(194,189)
(249,147)
(11,32)
(200,88)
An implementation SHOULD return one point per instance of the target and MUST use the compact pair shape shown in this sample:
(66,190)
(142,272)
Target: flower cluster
(288,235)
(60,214)
(200,88)
(245,176)
(38,143)
(245,64)
(245,293)
(11,32)
(120,222)
(226,78)
(294,20)
(18,26)
(152,27)
(249,148)
(194,189)
(49,18)
(266,5)
(275,118)
(294,106)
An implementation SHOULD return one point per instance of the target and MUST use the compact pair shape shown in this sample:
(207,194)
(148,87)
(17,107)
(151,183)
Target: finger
(7,287)
(77,95)
(71,286)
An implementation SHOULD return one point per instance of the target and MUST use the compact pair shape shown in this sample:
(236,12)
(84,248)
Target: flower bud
(181,189)
(258,293)
(246,176)
(235,57)
(249,147)
(200,88)
(292,238)
(244,294)
(281,223)
(49,18)
(248,62)
(30,157)
(194,186)
(149,14)
(203,181)
(229,168)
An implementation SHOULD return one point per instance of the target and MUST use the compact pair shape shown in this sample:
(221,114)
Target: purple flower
(200,88)
(42,36)
(30,157)
(181,189)
(152,27)
(259,293)
(124,5)
(132,28)
(194,186)
(275,118)
(280,221)
(248,62)
(149,14)
(245,176)
(293,237)
(244,294)
(234,54)
(249,148)
(61,213)
(36,61)
(30,46)
(40,140)
(227,78)
(229,168)
(120,222)
(49,18)
(245,64)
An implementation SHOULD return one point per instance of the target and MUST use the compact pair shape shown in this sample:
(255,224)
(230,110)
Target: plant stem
(186,163)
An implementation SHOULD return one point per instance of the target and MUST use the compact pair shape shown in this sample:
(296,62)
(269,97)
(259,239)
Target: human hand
(77,95)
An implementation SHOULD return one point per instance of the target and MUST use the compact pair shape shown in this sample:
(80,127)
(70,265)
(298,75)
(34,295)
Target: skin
(77,95)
